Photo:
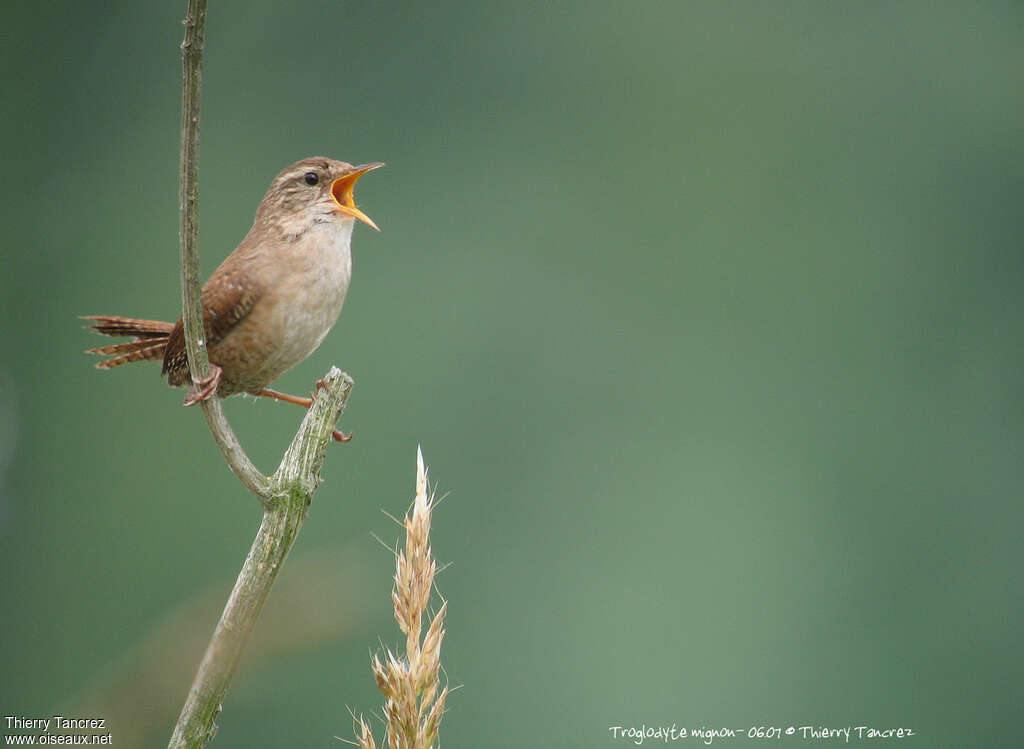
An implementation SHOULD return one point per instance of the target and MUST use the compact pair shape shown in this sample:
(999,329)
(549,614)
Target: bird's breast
(312,284)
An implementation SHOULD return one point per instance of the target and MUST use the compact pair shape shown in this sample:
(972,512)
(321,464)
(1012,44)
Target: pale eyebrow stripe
(296,173)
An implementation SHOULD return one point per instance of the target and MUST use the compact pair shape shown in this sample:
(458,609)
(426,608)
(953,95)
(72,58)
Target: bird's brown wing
(227,299)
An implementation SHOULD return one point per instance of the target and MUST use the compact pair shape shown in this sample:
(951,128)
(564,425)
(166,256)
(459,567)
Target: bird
(272,301)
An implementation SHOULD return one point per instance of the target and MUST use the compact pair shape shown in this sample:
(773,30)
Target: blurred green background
(707,315)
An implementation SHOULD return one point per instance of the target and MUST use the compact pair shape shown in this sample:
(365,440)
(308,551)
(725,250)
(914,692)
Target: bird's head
(314,190)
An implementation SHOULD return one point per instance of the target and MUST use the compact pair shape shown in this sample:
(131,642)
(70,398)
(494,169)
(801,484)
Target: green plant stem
(188,188)
(290,493)
(188,235)
(286,495)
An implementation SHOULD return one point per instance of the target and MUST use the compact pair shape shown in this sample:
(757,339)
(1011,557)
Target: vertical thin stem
(188,188)
(188,235)
(287,494)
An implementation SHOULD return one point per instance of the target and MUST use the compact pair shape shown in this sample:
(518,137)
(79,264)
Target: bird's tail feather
(150,339)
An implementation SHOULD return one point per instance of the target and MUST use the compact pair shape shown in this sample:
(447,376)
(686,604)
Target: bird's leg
(278,396)
(304,402)
(205,388)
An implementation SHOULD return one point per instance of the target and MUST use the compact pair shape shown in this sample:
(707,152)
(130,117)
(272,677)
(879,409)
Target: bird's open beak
(343,187)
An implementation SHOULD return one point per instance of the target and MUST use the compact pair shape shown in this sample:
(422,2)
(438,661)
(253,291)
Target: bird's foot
(338,435)
(205,388)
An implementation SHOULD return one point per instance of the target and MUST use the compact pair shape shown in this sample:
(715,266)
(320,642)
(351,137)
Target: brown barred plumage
(150,339)
(126,326)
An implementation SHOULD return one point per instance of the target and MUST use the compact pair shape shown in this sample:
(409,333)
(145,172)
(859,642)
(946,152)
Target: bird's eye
(311,178)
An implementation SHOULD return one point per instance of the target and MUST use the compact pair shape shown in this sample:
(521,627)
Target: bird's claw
(205,388)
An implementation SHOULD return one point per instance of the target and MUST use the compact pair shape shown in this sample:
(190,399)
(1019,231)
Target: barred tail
(150,339)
